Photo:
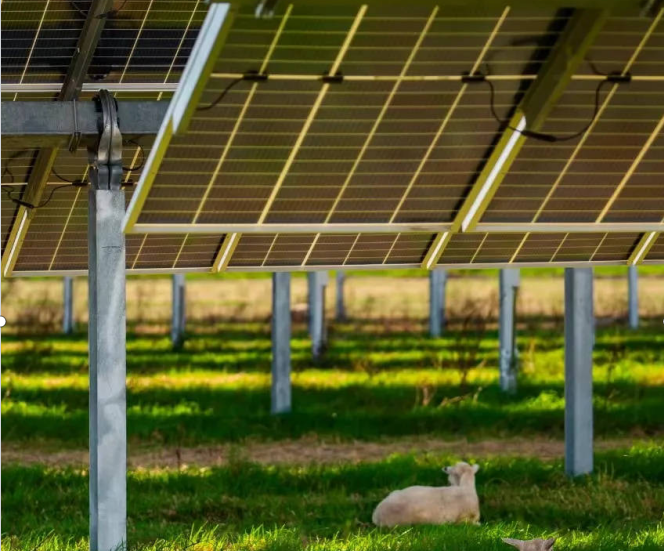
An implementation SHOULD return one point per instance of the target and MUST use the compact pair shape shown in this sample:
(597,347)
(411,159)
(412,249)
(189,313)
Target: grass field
(210,468)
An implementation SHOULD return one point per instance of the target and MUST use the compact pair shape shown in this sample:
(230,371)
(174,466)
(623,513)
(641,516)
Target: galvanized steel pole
(340,304)
(108,434)
(317,330)
(437,284)
(508,357)
(68,305)
(633,297)
(579,338)
(281,335)
(178,311)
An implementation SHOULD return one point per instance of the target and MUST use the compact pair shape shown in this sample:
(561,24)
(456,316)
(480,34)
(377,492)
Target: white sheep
(531,545)
(433,505)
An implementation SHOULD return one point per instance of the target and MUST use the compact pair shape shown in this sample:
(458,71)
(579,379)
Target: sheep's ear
(476,468)
(548,544)
(513,542)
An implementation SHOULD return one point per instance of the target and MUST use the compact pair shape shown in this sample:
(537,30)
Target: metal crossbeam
(41,170)
(29,124)
(531,113)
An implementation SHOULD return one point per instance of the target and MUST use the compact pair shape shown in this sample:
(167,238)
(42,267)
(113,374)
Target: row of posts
(579,336)
(509,285)
(317,283)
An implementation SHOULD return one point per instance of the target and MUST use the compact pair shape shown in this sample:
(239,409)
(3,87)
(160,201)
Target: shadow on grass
(321,501)
(200,414)
(247,349)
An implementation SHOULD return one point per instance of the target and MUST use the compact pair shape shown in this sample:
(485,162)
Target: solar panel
(143,41)
(399,141)
(614,174)
(57,241)
(538,248)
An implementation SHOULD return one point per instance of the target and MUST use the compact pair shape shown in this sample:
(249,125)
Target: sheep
(531,545)
(433,505)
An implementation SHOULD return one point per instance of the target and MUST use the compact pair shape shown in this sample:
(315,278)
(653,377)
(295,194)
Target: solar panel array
(360,172)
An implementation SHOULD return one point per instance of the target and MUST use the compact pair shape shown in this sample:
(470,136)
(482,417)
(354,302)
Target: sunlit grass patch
(329,506)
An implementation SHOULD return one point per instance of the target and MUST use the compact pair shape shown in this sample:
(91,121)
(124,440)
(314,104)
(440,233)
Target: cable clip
(618,78)
(254,76)
(469,78)
(337,78)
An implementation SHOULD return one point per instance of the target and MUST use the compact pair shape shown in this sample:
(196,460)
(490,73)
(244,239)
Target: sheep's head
(460,471)
(531,545)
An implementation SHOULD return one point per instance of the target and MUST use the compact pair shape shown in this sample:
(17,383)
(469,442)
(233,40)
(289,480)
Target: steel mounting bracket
(106,158)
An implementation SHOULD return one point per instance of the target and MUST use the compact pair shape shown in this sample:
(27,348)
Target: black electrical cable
(594,68)
(140,165)
(55,172)
(251,76)
(610,78)
(222,95)
(10,189)
(12,158)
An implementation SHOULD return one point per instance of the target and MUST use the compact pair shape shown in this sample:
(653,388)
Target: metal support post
(68,305)
(281,335)
(317,330)
(178,311)
(633,297)
(340,304)
(107,338)
(579,330)
(437,284)
(509,355)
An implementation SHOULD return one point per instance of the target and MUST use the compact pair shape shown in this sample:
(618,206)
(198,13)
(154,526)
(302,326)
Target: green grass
(368,388)
(217,389)
(329,507)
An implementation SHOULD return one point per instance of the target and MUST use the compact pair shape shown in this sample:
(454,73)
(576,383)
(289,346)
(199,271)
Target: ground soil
(302,451)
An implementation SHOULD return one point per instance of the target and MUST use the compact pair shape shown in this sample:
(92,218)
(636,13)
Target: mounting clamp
(106,158)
